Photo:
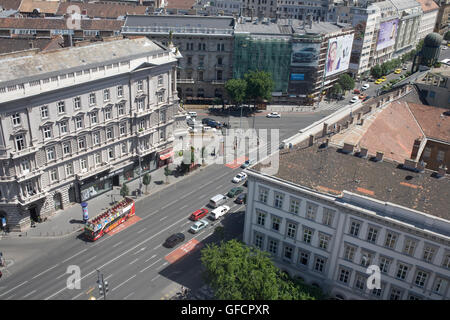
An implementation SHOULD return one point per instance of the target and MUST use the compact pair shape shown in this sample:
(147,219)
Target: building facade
(428,21)
(77,121)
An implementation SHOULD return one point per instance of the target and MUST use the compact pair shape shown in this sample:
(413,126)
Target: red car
(198,214)
(356,91)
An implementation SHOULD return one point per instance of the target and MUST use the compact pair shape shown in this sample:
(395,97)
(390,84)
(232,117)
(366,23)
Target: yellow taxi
(378,81)
(383,78)
(397,71)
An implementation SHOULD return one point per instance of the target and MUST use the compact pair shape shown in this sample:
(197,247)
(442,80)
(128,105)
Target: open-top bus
(111,218)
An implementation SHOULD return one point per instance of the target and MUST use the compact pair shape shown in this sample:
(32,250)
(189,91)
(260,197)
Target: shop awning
(166,155)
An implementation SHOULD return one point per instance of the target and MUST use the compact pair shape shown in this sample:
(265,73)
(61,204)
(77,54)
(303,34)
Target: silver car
(199,225)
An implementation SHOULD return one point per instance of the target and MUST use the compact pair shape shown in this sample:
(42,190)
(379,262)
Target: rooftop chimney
(442,171)
(416,147)
(348,148)
(379,156)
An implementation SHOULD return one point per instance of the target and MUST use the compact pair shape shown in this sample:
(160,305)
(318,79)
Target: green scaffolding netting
(263,54)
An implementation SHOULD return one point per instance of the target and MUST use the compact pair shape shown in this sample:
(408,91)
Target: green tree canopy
(336,89)
(124,191)
(259,85)
(346,82)
(146,180)
(236,89)
(239,272)
(375,71)
(447,36)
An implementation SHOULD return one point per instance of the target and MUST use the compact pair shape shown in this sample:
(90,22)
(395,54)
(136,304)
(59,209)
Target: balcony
(185,80)
(27,176)
(25,200)
(201,67)
(24,152)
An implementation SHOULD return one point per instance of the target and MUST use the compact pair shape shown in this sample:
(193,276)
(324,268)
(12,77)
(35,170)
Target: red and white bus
(115,215)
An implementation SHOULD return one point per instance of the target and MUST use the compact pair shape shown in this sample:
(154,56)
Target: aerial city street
(224,151)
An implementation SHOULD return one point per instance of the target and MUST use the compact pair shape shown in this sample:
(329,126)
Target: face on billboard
(338,56)
(305,54)
(387,34)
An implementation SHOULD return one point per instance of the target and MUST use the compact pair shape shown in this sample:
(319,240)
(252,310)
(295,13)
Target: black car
(242,198)
(366,98)
(174,239)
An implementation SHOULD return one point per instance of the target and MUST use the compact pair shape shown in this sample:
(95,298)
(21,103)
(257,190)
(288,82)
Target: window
(288,253)
(83,164)
(96,138)
(47,132)
(61,107)
(278,202)
(402,271)
(260,218)
(66,148)
(378,292)
(140,85)
(107,113)
(440,286)
(263,194)
(385,264)
(161,97)
(53,175)
(162,134)
(16,119)
(319,264)
(307,235)
(372,234)
(440,156)
(98,158)
(327,218)
(426,152)
(410,245)
(63,127)
(413,297)
(119,91)
(162,116)
(92,99)
(273,246)
(29,188)
(51,153)
(276,223)
(323,241)
(294,206)
(76,103)
(44,112)
(421,278)
(106,95)
(160,80)
(259,241)
(344,275)
(349,252)
(78,123)
(81,143)
(446,261)
(109,133)
(142,125)
(428,253)
(121,109)
(25,166)
(391,238)
(366,258)
(94,117)
(140,104)
(354,228)
(291,230)
(396,294)
(20,142)
(311,210)
(122,129)
(303,258)
(360,282)
(69,169)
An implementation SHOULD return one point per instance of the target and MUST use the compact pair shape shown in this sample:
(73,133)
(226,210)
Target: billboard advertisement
(338,54)
(387,34)
(297,76)
(305,54)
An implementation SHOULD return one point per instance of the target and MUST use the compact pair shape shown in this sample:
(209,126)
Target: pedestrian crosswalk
(329,106)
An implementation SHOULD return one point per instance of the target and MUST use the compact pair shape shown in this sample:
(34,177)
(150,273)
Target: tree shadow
(159,182)
(73,221)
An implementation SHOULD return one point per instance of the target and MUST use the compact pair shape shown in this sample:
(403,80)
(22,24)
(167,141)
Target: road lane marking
(118,243)
(183,207)
(134,261)
(29,294)
(157,247)
(45,271)
(185,223)
(109,276)
(141,230)
(163,218)
(150,265)
(77,296)
(64,274)
(75,255)
(128,296)
(1,295)
(123,283)
(10,297)
(155,278)
(90,259)
(140,250)
(169,204)
(165,263)
(151,258)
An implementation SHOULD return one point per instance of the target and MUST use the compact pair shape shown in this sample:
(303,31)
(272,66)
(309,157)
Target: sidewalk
(69,221)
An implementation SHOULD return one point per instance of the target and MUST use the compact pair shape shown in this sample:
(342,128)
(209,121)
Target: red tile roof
(58,24)
(103,10)
(180,4)
(10,4)
(27,6)
(434,121)
(428,5)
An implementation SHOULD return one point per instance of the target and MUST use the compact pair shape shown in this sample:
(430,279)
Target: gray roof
(32,67)
(7,13)
(319,27)
(180,21)
(261,28)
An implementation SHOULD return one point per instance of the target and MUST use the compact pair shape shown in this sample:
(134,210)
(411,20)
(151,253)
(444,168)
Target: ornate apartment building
(74,122)
(325,217)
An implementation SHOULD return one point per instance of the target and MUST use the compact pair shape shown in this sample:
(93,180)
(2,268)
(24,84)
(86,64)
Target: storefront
(95,185)
(131,172)
(165,157)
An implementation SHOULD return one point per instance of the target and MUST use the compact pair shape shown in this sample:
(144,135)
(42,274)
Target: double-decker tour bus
(110,219)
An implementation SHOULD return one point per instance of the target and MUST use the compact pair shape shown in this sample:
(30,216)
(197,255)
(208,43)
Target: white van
(217,200)
(190,122)
(192,114)
(218,212)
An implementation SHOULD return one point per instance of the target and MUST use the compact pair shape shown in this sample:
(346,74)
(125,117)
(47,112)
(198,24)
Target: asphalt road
(133,260)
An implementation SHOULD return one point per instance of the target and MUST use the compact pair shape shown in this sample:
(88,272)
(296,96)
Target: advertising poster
(338,54)
(297,76)
(387,34)
(305,54)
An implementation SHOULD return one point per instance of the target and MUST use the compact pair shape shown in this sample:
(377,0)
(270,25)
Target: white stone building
(430,11)
(76,121)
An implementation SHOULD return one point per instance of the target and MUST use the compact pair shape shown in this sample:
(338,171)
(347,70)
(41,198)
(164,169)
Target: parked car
(235,191)
(206,120)
(240,177)
(397,71)
(362,96)
(354,99)
(247,164)
(199,225)
(219,212)
(273,115)
(200,213)
(366,98)
(378,81)
(309,54)
(174,239)
(217,200)
(242,198)
(405,68)
(383,78)
(356,91)
(192,114)
(365,87)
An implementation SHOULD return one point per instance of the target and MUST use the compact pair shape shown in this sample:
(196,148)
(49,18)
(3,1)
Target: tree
(167,173)
(419,45)
(336,89)
(124,191)
(236,89)
(447,36)
(239,272)
(375,71)
(259,86)
(146,181)
(346,82)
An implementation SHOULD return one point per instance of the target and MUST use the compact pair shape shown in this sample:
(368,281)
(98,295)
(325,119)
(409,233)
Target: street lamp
(140,169)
